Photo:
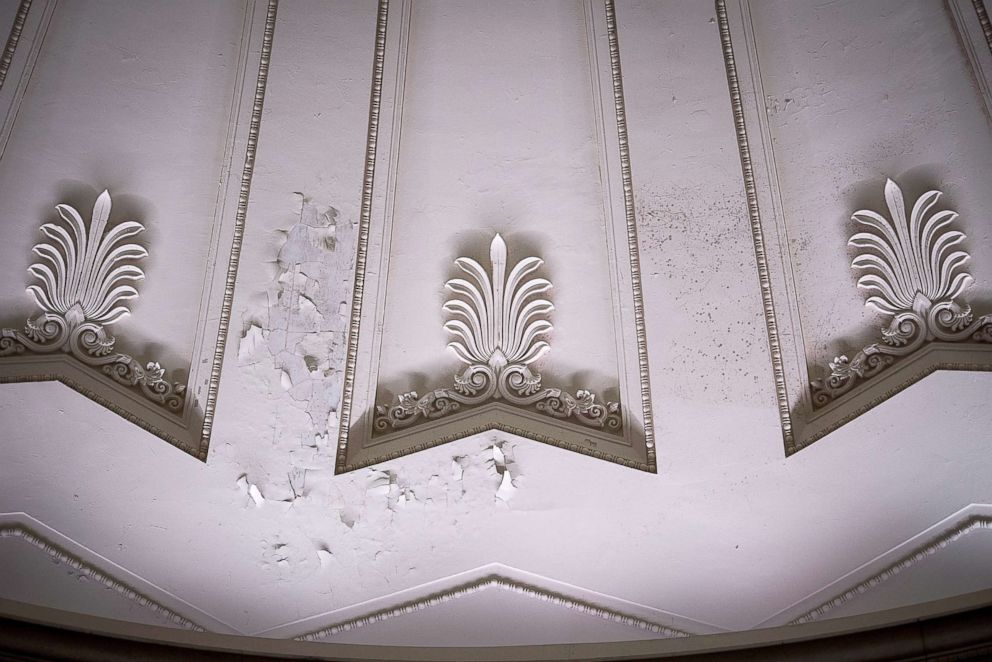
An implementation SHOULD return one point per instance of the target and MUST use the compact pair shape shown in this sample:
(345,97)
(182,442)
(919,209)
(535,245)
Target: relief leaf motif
(911,263)
(83,277)
(499,323)
(494,325)
(86,277)
(915,272)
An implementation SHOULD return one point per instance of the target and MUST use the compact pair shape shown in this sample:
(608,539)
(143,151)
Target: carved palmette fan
(915,272)
(500,328)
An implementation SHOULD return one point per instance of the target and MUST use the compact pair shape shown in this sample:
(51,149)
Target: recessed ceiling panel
(497,283)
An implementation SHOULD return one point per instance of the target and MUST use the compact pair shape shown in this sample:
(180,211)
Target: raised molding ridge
(493,581)
(633,247)
(976,517)
(983,19)
(490,576)
(971,22)
(365,215)
(28,30)
(63,549)
(757,235)
(248,169)
(499,426)
(15,36)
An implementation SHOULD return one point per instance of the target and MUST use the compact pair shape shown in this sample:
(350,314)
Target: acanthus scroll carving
(499,324)
(915,273)
(85,282)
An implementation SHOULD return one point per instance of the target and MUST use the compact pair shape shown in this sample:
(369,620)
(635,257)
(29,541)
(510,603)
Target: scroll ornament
(915,273)
(498,322)
(84,287)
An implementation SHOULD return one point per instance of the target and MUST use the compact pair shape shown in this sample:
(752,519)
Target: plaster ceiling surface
(495,538)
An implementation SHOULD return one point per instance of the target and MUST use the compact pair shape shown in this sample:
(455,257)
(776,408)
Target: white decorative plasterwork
(503,583)
(498,322)
(931,547)
(85,277)
(61,555)
(915,274)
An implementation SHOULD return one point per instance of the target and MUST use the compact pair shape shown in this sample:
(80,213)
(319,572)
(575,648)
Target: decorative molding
(82,291)
(757,236)
(915,275)
(365,214)
(972,523)
(492,581)
(983,20)
(360,443)
(619,106)
(258,101)
(971,22)
(15,36)
(191,431)
(802,419)
(57,553)
(463,433)
(498,324)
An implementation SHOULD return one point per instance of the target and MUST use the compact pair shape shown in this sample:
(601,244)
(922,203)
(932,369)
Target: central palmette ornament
(500,325)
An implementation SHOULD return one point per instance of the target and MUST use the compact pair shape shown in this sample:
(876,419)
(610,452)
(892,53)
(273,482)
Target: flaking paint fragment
(251,342)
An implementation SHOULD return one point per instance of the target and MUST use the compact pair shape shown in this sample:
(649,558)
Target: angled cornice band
(489,582)
(64,550)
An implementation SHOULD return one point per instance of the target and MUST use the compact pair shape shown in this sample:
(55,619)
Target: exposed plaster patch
(294,339)
(250,490)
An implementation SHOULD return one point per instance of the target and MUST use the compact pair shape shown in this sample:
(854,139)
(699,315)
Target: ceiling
(686,173)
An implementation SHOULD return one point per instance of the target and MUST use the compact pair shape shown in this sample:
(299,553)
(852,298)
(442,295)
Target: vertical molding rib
(983,19)
(239,228)
(361,258)
(632,244)
(757,236)
(13,38)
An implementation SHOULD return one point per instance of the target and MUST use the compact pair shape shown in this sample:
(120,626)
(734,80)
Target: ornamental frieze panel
(86,275)
(916,275)
(130,303)
(813,152)
(499,322)
(457,327)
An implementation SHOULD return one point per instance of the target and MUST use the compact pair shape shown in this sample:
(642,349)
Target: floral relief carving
(85,283)
(914,271)
(499,323)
